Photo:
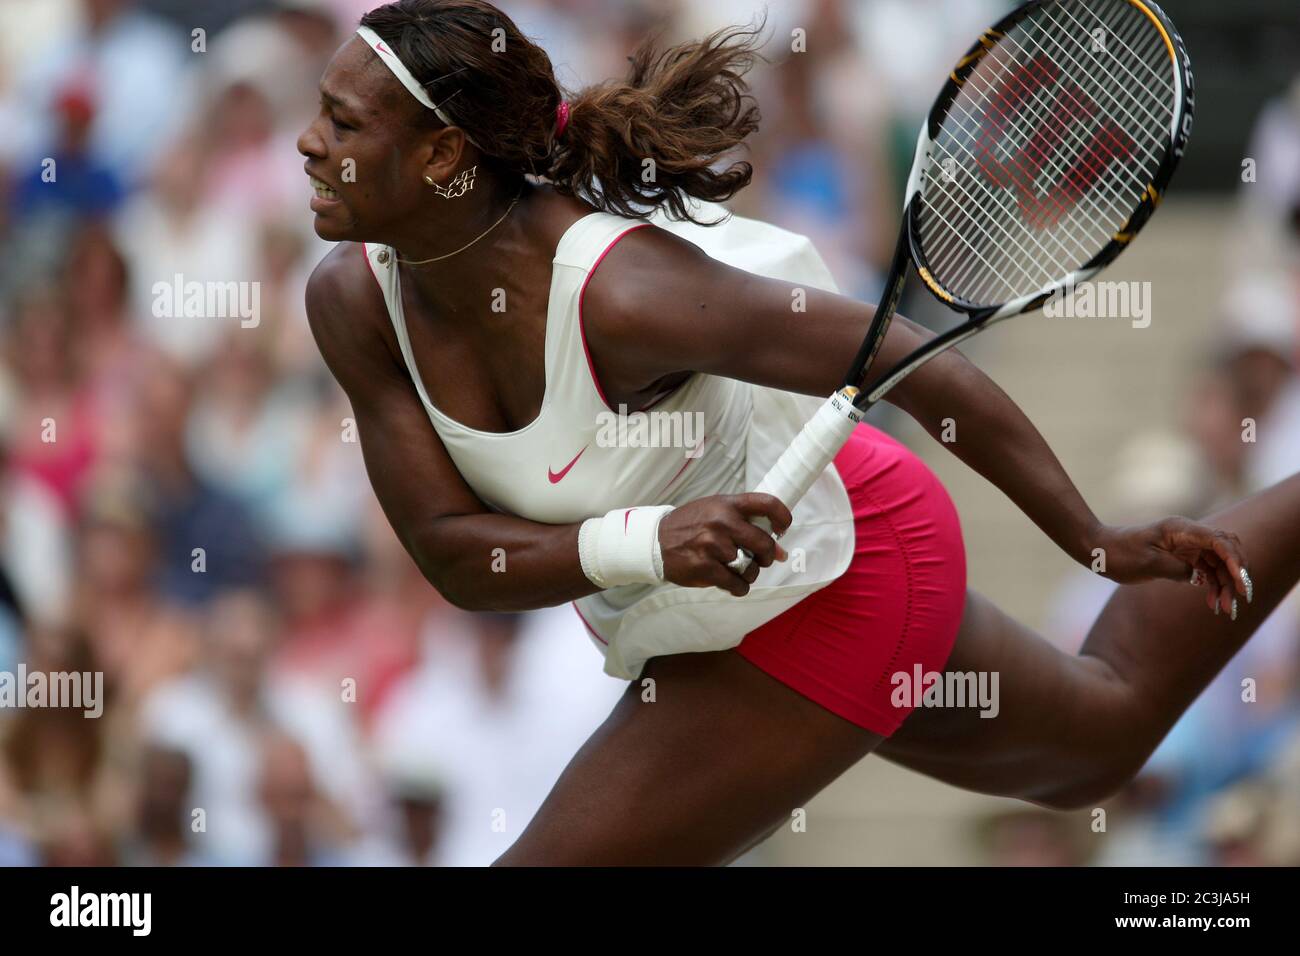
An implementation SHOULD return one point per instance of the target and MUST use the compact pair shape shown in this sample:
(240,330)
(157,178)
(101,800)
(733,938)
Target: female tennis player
(497,295)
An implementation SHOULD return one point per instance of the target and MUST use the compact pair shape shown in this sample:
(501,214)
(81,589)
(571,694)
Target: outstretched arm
(709,317)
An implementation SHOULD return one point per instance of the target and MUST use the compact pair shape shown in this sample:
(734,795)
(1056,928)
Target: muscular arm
(660,305)
(444,526)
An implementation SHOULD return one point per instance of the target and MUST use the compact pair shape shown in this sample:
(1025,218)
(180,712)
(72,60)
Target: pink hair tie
(561,118)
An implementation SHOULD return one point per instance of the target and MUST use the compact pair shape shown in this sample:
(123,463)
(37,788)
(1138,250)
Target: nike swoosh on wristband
(557,478)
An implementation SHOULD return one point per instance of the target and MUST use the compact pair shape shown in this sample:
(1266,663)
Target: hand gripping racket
(1047,151)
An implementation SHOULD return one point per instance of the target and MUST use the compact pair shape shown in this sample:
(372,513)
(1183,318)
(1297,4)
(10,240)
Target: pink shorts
(898,605)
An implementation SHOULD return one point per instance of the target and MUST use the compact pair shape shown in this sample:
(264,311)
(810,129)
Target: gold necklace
(421,262)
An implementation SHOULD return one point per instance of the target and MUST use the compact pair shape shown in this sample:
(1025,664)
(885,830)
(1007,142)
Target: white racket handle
(812,450)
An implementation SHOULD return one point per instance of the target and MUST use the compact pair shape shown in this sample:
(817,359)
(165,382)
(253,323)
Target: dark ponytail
(650,140)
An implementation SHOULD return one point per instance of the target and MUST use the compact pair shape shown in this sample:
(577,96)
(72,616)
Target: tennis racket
(1048,149)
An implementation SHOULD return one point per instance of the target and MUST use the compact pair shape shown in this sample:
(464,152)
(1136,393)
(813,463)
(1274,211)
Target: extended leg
(1073,729)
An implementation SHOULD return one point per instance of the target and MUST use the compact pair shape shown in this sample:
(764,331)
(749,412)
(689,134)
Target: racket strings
(1051,266)
(1038,265)
(1159,85)
(1115,93)
(1047,149)
(1078,99)
(1088,159)
(1005,202)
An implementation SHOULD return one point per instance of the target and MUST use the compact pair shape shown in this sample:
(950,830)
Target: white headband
(404,75)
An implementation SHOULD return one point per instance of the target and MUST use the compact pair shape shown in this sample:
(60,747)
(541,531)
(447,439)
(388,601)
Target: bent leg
(1073,729)
(719,760)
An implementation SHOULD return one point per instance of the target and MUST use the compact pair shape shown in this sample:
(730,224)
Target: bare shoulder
(347,315)
(341,290)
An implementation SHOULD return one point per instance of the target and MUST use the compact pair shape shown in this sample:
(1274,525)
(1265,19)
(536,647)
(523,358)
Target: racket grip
(799,466)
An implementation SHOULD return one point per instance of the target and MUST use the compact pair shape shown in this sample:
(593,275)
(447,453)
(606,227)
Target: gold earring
(429,180)
(460,184)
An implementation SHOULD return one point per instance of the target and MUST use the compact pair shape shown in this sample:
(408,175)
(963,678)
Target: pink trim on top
(582,328)
(589,627)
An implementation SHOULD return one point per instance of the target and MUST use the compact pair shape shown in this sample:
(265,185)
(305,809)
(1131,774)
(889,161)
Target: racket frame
(910,248)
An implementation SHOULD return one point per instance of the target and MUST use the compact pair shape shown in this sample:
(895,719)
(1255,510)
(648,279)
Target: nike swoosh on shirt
(557,478)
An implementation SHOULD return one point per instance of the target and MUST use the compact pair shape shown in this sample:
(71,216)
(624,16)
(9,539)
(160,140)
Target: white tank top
(579,459)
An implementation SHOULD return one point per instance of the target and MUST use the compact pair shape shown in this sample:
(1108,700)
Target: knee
(1079,794)
(1088,781)
(1113,733)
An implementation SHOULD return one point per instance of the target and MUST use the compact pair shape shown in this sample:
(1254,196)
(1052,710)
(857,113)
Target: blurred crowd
(183,506)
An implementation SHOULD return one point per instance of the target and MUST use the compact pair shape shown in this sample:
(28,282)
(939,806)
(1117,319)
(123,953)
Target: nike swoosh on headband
(405,76)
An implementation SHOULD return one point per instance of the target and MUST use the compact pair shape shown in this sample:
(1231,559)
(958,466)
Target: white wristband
(623,547)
